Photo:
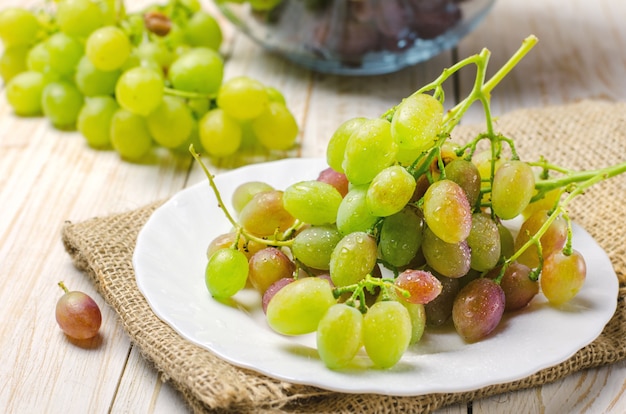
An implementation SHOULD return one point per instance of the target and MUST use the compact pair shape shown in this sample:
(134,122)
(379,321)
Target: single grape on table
(81,62)
(406,231)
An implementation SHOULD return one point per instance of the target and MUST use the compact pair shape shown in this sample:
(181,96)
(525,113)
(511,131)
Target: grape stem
(369,282)
(62,286)
(187,94)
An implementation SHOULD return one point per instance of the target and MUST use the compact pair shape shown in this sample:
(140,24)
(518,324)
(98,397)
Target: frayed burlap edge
(103,248)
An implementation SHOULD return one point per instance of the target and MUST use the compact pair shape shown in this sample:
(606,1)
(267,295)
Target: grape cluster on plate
(406,228)
(133,81)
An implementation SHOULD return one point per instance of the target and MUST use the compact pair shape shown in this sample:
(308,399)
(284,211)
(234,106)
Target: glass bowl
(355,37)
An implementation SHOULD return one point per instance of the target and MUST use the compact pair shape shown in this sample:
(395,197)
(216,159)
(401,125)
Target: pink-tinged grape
(387,332)
(353,214)
(243,98)
(77,314)
(139,90)
(314,245)
(546,203)
(519,289)
(203,30)
(24,92)
(18,26)
(276,128)
(447,211)
(552,240)
(417,122)
(272,290)
(267,266)
(336,179)
(513,187)
(79,17)
(448,259)
(312,202)
(352,258)
(198,70)
(220,134)
(244,193)
(226,273)
(92,81)
(400,237)
(171,122)
(422,286)
(390,190)
(339,335)
(61,102)
(247,247)
(130,136)
(13,62)
(507,241)
(336,147)
(94,120)
(478,309)
(265,214)
(484,242)
(64,53)
(439,310)
(562,276)
(465,174)
(369,150)
(298,307)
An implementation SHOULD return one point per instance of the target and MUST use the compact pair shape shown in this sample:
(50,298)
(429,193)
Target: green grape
(156,52)
(447,211)
(466,175)
(276,128)
(92,81)
(352,258)
(220,134)
(551,241)
(108,48)
(24,93)
(171,122)
(545,203)
(390,190)
(484,242)
(314,246)
(483,162)
(336,147)
(416,123)
(243,98)
(61,102)
(369,150)
(562,276)
(387,332)
(400,237)
(263,4)
(130,136)
(203,30)
(312,202)
(507,242)
(513,187)
(353,213)
(448,259)
(299,306)
(478,309)
(244,193)
(18,27)
(79,18)
(94,120)
(268,266)
(339,335)
(417,313)
(198,70)
(226,273)
(13,61)
(265,214)
(64,52)
(274,95)
(38,58)
(139,90)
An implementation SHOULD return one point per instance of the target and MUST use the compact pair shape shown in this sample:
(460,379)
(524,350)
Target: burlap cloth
(583,135)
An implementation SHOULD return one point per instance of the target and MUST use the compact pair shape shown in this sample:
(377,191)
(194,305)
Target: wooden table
(49,176)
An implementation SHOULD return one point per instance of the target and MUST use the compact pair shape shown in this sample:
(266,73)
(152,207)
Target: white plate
(169,262)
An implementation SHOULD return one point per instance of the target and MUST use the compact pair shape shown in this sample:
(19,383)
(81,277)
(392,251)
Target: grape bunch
(404,230)
(136,81)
